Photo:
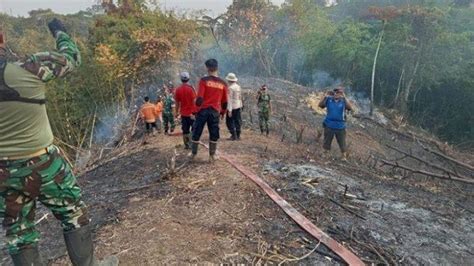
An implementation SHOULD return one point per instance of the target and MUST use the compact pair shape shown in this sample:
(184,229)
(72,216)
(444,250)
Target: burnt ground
(210,213)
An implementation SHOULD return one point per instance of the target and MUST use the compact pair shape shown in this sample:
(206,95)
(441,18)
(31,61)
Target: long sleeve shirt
(235,97)
(148,112)
(24,127)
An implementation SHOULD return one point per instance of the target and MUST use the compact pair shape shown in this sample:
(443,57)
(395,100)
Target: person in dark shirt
(334,124)
(211,101)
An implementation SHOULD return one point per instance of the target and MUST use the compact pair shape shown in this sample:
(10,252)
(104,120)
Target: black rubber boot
(212,151)
(194,148)
(79,246)
(186,139)
(81,251)
(238,135)
(233,136)
(27,257)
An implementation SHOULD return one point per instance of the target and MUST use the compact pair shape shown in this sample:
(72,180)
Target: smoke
(114,121)
(322,79)
(110,127)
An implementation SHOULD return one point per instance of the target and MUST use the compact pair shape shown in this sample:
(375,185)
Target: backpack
(8,94)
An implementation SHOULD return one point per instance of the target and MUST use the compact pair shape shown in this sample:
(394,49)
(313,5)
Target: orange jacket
(159,108)
(148,113)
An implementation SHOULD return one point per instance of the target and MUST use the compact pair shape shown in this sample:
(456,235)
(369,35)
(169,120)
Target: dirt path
(206,213)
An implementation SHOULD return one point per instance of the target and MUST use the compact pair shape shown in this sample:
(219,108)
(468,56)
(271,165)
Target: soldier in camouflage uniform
(264,109)
(31,168)
(168,111)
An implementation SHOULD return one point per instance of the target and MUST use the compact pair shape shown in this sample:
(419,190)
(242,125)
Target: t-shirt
(212,93)
(24,127)
(185,96)
(335,113)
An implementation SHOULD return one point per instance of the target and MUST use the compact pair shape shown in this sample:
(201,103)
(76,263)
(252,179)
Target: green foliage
(426,52)
(424,68)
(120,51)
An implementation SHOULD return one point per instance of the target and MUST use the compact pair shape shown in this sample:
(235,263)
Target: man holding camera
(334,124)
(31,167)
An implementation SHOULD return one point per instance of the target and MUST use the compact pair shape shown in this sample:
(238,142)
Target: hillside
(210,213)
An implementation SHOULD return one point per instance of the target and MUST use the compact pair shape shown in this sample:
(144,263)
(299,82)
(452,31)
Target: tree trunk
(395,101)
(406,93)
(373,72)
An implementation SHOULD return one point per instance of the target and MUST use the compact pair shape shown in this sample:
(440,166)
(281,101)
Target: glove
(56,25)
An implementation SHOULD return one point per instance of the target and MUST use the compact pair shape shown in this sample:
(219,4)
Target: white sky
(21,7)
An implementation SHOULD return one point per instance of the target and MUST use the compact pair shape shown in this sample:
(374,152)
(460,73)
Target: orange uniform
(148,113)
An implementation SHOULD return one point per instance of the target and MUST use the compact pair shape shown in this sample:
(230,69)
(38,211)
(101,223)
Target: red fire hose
(349,257)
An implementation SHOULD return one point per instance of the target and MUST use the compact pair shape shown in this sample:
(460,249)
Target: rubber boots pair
(79,247)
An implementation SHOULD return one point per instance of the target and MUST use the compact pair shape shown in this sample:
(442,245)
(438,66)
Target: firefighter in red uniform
(184,98)
(211,101)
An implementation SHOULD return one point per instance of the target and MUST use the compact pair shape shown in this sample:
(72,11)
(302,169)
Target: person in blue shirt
(334,124)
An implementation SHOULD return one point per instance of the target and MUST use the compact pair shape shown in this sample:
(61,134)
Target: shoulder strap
(8,94)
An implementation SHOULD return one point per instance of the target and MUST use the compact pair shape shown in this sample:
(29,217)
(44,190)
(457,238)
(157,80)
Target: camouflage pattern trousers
(168,121)
(263,118)
(47,178)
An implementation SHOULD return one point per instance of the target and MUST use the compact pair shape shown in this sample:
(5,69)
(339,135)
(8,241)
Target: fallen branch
(447,171)
(467,166)
(422,172)
(163,177)
(347,209)
(302,257)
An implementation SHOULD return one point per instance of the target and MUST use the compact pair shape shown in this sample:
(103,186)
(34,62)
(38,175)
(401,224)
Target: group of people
(32,168)
(215,98)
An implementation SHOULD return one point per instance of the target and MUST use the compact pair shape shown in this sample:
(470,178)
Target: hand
(56,25)
(193,117)
(229,114)
(222,116)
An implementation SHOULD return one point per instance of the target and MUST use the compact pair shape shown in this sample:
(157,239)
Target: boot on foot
(27,256)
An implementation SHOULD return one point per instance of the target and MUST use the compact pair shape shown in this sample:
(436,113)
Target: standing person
(334,124)
(168,111)
(159,112)
(185,97)
(234,107)
(264,109)
(211,100)
(148,114)
(31,167)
